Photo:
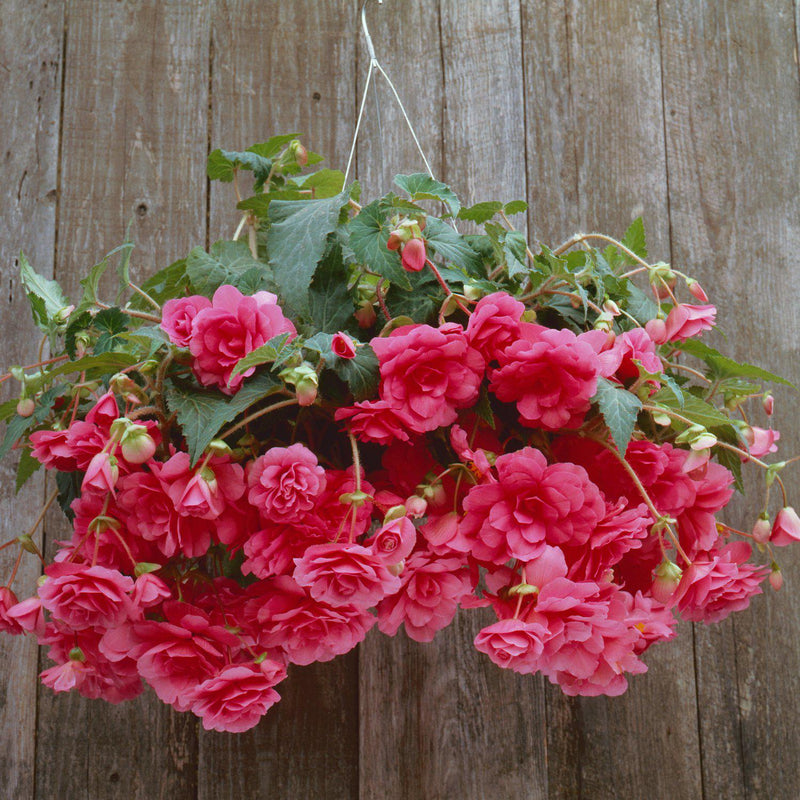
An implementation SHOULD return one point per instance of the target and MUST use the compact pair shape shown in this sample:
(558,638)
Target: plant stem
(146,296)
(447,290)
(256,415)
(582,237)
(130,312)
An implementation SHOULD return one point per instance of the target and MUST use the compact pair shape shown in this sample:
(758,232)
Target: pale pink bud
(395,240)
(762,529)
(365,315)
(657,330)
(768,401)
(26,407)
(776,577)
(696,290)
(343,345)
(137,445)
(416,506)
(414,255)
(786,528)
(667,577)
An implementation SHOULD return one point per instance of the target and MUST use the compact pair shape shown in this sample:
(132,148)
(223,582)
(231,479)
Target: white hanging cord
(375,64)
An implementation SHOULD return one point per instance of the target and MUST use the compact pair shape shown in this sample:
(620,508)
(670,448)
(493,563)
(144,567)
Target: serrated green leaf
(111,322)
(634,238)
(166,284)
(330,302)
(639,305)
(267,353)
(483,408)
(422,187)
(515,251)
(620,409)
(123,268)
(69,489)
(697,411)
(323,182)
(360,373)
(452,247)
(322,343)
(674,388)
(258,164)
(369,233)
(27,466)
(298,239)
(724,367)
(17,426)
(201,414)
(45,296)
(104,362)
(515,207)
(480,212)
(8,408)
(224,263)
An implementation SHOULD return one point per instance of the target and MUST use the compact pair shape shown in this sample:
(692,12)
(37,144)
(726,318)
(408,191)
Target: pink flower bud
(394,541)
(416,506)
(761,441)
(149,590)
(414,255)
(696,290)
(657,330)
(137,445)
(667,577)
(395,240)
(365,315)
(768,401)
(300,154)
(786,528)
(26,407)
(343,345)
(762,529)
(776,577)
(101,475)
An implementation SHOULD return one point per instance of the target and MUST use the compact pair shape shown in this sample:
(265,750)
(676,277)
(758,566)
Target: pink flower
(394,541)
(233,326)
(64,677)
(494,324)
(550,374)
(427,373)
(149,590)
(786,528)
(697,525)
(8,600)
(686,321)
(719,582)
(343,346)
(431,590)
(413,255)
(344,574)
(51,448)
(636,345)
(101,475)
(531,505)
(761,441)
(272,550)
(305,629)
(237,697)
(28,616)
(85,597)
(285,483)
(375,421)
(178,315)
(513,644)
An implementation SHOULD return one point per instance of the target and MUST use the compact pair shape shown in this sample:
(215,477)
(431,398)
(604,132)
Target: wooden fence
(596,111)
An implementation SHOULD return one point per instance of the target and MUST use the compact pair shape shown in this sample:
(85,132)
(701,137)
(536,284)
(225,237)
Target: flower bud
(768,401)
(343,345)
(365,315)
(395,240)
(76,654)
(667,577)
(604,322)
(762,529)
(26,407)
(776,577)
(298,152)
(786,528)
(137,445)
(416,506)
(101,474)
(414,255)
(473,293)
(305,380)
(657,330)
(610,307)
(696,290)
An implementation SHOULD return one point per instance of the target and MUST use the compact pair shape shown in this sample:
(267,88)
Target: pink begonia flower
(177,317)
(235,699)
(332,513)
(375,421)
(51,448)
(85,440)
(428,598)
(513,644)
(86,597)
(28,615)
(394,541)
(149,590)
(343,346)
(685,321)
(205,493)
(341,574)
(413,255)
(494,324)
(64,677)
(177,655)
(101,475)
(697,525)
(654,620)
(550,374)
(7,600)
(760,441)
(305,629)
(786,528)
(636,345)
(104,412)
(285,482)
(147,510)
(272,550)
(531,504)
(233,326)
(444,534)
(719,582)
(428,373)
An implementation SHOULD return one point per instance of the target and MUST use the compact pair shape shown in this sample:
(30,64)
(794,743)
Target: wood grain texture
(30,91)
(133,145)
(732,111)
(283,67)
(620,747)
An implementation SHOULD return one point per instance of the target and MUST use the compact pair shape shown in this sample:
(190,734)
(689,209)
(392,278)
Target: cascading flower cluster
(363,418)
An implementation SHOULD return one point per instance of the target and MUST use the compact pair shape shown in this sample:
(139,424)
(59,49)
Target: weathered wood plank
(458,726)
(277,68)
(733,139)
(30,91)
(133,144)
(598,154)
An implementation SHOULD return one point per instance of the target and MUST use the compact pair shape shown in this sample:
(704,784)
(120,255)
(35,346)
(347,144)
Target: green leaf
(8,408)
(360,373)
(639,305)
(330,302)
(452,246)
(515,250)
(324,182)
(322,343)
(104,362)
(480,212)
(17,426)
(166,284)
(267,353)
(729,459)
(620,409)
(724,367)
(369,234)
(45,296)
(224,263)
(26,467)
(483,408)
(298,238)
(422,187)
(123,268)
(634,238)
(201,414)
(696,410)
(111,322)
(673,387)
(69,489)
(515,207)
